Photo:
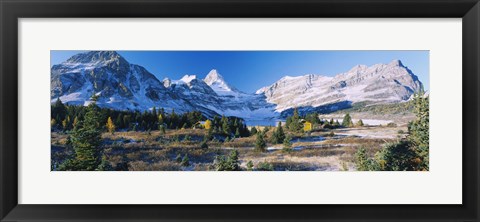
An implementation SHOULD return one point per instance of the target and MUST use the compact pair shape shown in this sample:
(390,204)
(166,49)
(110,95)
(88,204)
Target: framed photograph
(224,110)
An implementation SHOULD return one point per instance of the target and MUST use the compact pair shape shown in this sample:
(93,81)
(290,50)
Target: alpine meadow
(239,110)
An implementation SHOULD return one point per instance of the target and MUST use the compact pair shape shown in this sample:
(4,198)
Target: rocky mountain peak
(188,78)
(396,62)
(96,57)
(217,83)
(212,77)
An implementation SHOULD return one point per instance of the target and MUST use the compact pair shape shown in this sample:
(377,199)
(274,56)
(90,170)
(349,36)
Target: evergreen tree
(105,165)
(119,121)
(59,111)
(225,126)
(86,141)
(53,122)
(336,124)
(347,121)
(154,112)
(359,123)
(287,144)
(288,122)
(249,165)
(64,125)
(278,135)
(237,133)
(75,122)
(419,130)
(295,124)
(362,161)
(185,161)
(127,122)
(260,143)
(110,125)
(253,131)
(230,163)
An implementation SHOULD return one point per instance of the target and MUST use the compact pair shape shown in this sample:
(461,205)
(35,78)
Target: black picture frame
(11,11)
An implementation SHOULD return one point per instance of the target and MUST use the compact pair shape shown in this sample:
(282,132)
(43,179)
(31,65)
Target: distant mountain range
(124,86)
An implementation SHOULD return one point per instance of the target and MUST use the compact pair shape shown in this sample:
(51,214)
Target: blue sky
(251,70)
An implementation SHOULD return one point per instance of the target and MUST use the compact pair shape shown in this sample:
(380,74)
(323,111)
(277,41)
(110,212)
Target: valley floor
(322,150)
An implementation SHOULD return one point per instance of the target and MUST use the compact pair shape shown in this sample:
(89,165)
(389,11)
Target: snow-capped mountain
(380,83)
(124,86)
(218,84)
(215,94)
(118,84)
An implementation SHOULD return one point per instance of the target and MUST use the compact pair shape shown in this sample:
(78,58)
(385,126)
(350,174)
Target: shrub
(250,165)
(185,161)
(229,163)
(264,166)
(359,123)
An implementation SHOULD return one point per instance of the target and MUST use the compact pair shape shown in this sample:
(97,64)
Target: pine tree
(64,125)
(110,126)
(237,133)
(59,111)
(75,122)
(225,126)
(249,165)
(295,124)
(253,131)
(260,143)
(347,121)
(359,123)
(127,122)
(53,122)
(280,133)
(86,142)
(154,111)
(362,161)
(119,121)
(287,144)
(419,130)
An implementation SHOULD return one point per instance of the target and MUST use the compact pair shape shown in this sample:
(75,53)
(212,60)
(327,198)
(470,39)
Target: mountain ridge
(121,85)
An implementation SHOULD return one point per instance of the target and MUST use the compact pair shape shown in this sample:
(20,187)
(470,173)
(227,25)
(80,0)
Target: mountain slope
(124,86)
(380,83)
(119,84)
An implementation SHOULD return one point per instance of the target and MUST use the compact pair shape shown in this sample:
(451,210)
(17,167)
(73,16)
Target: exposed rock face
(380,83)
(124,86)
(119,84)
